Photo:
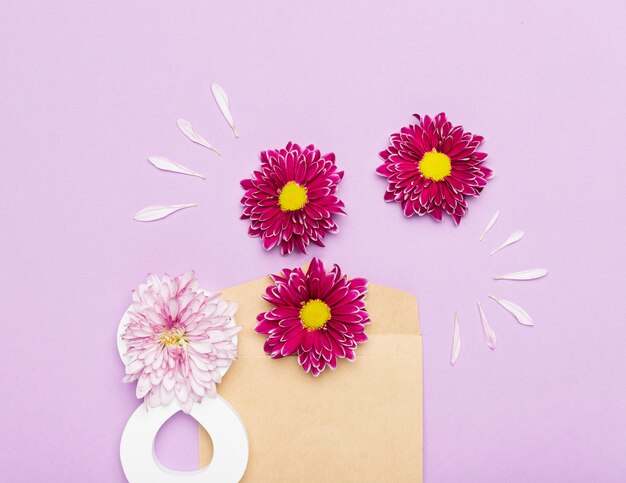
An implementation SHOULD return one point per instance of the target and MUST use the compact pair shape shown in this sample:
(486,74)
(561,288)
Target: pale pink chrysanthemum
(179,341)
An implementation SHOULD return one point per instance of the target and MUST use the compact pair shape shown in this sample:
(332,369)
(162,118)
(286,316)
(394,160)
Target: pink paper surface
(89,90)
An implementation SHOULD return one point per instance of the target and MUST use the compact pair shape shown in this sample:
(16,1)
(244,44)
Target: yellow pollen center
(174,337)
(314,314)
(435,165)
(292,197)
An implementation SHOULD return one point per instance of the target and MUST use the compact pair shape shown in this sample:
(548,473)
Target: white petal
(187,405)
(490,223)
(181,392)
(166,395)
(165,164)
(196,387)
(184,279)
(224,104)
(134,367)
(168,381)
(152,213)
(490,336)
(456,340)
(153,399)
(232,308)
(172,305)
(530,274)
(222,305)
(221,334)
(188,130)
(519,313)
(513,238)
(203,346)
(143,386)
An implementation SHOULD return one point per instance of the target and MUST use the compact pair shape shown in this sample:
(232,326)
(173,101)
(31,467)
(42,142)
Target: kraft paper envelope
(359,423)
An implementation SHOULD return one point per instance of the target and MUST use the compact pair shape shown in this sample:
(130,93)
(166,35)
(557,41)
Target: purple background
(88,90)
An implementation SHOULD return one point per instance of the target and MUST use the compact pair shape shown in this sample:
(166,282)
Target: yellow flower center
(435,165)
(314,314)
(173,338)
(292,197)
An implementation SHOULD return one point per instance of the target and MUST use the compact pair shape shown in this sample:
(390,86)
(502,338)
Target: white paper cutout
(490,223)
(217,416)
(490,335)
(222,101)
(456,340)
(165,164)
(188,130)
(230,443)
(518,312)
(530,274)
(153,213)
(513,238)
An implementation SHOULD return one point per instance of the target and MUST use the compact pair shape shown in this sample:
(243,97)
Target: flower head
(432,166)
(291,200)
(317,315)
(179,341)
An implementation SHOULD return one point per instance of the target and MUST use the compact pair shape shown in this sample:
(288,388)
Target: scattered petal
(456,340)
(165,164)
(224,105)
(513,238)
(519,313)
(491,222)
(490,336)
(152,213)
(530,274)
(192,135)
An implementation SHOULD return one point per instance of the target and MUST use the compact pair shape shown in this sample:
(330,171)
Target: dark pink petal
(437,213)
(292,343)
(304,359)
(265,326)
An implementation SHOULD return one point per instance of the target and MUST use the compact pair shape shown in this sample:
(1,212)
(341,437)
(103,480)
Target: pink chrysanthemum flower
(291,200)
(317,315)
(179,340)
(432,166)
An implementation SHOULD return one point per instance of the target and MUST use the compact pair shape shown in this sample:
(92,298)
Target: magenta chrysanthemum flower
(317,315)
(291,200)
(432,166)
(179,340)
